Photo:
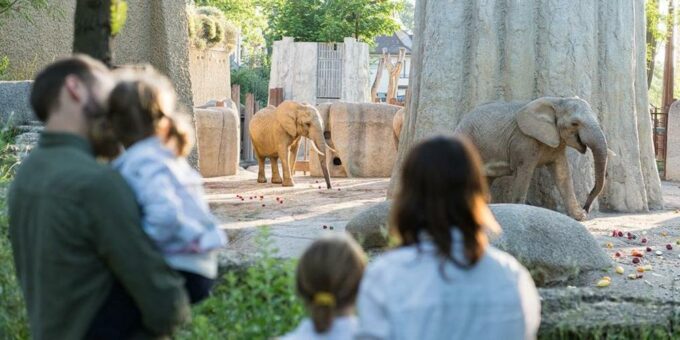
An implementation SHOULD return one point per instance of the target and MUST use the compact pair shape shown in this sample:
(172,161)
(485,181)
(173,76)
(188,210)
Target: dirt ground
(309,206)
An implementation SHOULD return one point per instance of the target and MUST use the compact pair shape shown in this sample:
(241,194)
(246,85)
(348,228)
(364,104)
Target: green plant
(118,16)
(4,66)
(253,303)
(208,27)
(252,80)
(13,319)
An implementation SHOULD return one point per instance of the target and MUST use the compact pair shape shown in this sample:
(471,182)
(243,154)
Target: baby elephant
(514,138)
(276,133)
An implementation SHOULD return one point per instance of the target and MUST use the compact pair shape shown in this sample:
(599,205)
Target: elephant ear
(538,120)
(286,115)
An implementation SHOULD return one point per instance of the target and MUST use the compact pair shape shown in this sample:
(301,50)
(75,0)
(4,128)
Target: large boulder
(15,108)
(363,136)
(552,246)
(370,227)
(218,136)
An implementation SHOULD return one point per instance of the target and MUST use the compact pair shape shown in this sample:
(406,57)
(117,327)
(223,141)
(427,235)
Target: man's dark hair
(48,83)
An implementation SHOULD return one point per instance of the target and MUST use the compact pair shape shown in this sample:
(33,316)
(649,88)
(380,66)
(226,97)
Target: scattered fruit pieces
(659,253)
(677,242)
(319,187)
(325,226)
(609,245)
(649,249)
(264,205)
(620,233)
(604,282)
(619,270)
(640,270)
(647,268)
(618,254)
(644,240)
(634,276)
(636,253)
(615,233)
(669,247)
(664,233)
(281,202)
(331,227)
(636,260)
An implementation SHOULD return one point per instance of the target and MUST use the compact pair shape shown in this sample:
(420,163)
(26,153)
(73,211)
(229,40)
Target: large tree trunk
(651,44)
(92,29)
(478,51)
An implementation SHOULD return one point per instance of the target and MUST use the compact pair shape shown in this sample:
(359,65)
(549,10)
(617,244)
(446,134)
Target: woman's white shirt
(408,294)
(343,328)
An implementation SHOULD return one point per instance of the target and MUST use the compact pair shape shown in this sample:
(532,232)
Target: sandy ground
(309,206)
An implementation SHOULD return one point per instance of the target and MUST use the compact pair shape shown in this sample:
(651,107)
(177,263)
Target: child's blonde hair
(143,105)
(328,277)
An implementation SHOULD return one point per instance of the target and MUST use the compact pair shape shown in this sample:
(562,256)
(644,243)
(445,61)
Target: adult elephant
(514,138)
(276,133)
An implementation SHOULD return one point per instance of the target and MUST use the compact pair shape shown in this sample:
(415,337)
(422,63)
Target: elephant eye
(574,124)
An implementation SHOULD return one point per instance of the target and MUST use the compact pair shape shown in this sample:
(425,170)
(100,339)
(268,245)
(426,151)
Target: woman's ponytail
(178,135)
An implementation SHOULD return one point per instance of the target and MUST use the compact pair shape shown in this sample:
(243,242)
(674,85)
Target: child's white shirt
(343,328)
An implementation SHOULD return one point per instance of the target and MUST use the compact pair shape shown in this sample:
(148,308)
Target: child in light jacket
(169,192)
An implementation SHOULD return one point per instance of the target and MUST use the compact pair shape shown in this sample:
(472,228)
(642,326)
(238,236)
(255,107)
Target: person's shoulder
(303,331)
(387,262)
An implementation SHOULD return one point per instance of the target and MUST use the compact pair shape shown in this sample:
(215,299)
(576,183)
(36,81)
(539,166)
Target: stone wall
(155,33)
(294,68)
(210,72)
(467,53)
(672,165)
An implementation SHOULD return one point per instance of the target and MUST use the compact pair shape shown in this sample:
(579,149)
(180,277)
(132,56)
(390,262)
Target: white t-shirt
(343,328)
(403,295)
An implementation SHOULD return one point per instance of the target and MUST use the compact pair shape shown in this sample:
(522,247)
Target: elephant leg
(261,177)
(285,158)
(520,185)
(293,156)
(276,178)
(562,176)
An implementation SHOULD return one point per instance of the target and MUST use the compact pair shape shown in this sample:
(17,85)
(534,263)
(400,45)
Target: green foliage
(4,66)
(333,20)
(25,8)
(208,27)
(13,319)
(118,16)
(254,303)
(252,80)
(250,17)
(407,14)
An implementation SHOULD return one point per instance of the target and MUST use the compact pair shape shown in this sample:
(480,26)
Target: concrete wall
(210,75)
(155,33)
(672,165)
(294,68)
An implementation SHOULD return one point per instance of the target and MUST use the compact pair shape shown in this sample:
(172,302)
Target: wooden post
(236,94)
(247,143)
(275,96)
(667,91)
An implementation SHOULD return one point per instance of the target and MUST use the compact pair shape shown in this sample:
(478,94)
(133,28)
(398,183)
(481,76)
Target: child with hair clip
(328,277)
(170,193)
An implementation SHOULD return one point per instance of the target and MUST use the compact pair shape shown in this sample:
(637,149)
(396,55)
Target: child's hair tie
(324,299)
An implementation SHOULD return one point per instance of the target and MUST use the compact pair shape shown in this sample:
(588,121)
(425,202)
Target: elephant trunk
(593,137)
(319,143)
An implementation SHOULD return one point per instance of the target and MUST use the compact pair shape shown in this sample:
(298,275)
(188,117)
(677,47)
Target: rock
(552,246)
(585,313)
(472,52)
(369,227)
(15,108)
(363,136)
(218,136)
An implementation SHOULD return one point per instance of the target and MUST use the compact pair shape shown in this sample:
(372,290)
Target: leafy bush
(208,27)
(253,303)
(4,66)
(252,80)
(13,319)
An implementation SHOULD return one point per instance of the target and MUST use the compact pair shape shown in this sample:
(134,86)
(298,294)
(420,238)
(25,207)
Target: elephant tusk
(316,149)
(611,153)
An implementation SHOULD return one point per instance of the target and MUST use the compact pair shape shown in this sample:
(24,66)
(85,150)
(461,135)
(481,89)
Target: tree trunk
(668,73)
(92,29)
(520,50)
(378,79)
(394,70)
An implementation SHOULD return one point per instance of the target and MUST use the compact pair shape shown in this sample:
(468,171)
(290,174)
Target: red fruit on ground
(325,226)
(614,233)
(264,205)
(644,240)
(617,254)
(636,260)
(649,249)
(620,233)
(669,247)
(319,187)
(331,227)
(281,202)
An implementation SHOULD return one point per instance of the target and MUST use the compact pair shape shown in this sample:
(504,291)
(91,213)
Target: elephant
(276,133)
(513,138)
(397,124)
